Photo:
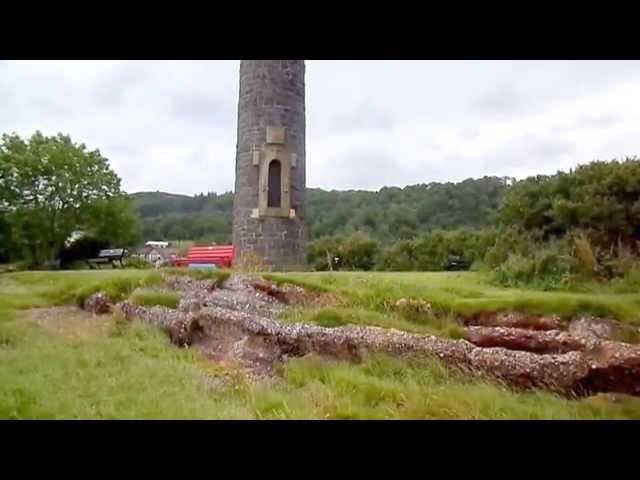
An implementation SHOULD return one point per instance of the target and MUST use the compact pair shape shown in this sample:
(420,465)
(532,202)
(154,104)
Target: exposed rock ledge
(237,324)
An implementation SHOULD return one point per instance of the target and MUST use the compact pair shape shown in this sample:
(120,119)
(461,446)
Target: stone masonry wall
(272,93)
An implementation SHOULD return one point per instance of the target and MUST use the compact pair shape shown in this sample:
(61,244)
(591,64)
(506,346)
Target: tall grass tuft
(117,288)
(583,252)
(150,298)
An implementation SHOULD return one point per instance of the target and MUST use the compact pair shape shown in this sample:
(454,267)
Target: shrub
(511,241)
(322,254)
(547,268)
(358,252)
(629,283)
(400,257)
(583,253)
(430,251)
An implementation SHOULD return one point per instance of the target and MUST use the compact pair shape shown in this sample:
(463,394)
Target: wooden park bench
(110,256)
(455,262)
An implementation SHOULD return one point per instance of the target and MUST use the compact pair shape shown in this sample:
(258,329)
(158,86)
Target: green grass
(41,289)
(220,276)
(132,371)
(136,374)
(386,388)
(452,293)
(148,298)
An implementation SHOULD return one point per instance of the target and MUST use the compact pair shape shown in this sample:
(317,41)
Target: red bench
(220,255)
(179,262)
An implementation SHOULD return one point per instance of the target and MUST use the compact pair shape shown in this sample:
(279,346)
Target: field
(467,293)
(59,362)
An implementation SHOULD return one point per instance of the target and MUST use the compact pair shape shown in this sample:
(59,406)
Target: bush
(430,251)
(547,268)
(510,241)
(629,283)
(400,257)
(587,263)
(322,254)
(355,252)
(358,252)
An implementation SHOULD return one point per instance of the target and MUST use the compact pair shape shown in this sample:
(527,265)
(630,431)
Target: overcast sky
(171,125)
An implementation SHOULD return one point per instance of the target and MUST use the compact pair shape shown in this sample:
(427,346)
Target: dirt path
(237,325)
(69,322)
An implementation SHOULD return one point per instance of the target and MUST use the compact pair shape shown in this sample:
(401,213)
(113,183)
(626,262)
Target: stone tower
(269,200)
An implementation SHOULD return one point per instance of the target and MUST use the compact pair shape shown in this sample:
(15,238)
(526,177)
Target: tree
(602,198)
(51,187)
(323,253)
(358,252)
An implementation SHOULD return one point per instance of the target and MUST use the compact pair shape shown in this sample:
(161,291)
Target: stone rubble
(546,341)
(237,325)
(514,320)
(98,304)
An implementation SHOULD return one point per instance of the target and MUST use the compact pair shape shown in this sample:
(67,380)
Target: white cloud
(171,125)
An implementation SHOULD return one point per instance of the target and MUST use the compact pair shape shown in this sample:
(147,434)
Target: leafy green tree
(602,198)
(388,215)
(399,257)
(51,187)
(324,253)
(358,252)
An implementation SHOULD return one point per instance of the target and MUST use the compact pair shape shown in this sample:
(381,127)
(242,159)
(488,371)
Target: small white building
(156,255)
(157,244)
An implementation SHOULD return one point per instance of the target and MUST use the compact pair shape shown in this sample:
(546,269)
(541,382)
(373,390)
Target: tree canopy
(387,215)
(600,197)
(52,187)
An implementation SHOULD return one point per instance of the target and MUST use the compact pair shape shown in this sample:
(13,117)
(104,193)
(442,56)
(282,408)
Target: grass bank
(134,372)
(452,293)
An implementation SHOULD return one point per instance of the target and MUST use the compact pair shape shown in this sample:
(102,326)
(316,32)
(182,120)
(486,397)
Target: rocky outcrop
(514,320)
(237,324)
(547,341)
(98,304)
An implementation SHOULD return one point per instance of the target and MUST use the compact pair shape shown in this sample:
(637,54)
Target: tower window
(275,184)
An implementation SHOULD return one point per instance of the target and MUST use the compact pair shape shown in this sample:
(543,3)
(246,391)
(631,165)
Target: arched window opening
(275,184)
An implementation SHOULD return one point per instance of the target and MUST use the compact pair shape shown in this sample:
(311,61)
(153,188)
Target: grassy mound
(464,293)
(149,298)
(219,276)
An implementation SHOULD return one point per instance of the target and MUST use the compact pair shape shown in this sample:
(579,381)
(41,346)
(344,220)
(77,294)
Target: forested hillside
(387,215)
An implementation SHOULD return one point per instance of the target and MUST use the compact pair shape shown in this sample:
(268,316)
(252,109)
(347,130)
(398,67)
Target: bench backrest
(111,252)
(221,255)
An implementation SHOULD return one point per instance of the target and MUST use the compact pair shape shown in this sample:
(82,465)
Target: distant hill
(389,214)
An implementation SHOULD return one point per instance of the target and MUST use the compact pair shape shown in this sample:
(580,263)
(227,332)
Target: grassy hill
(387,215)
